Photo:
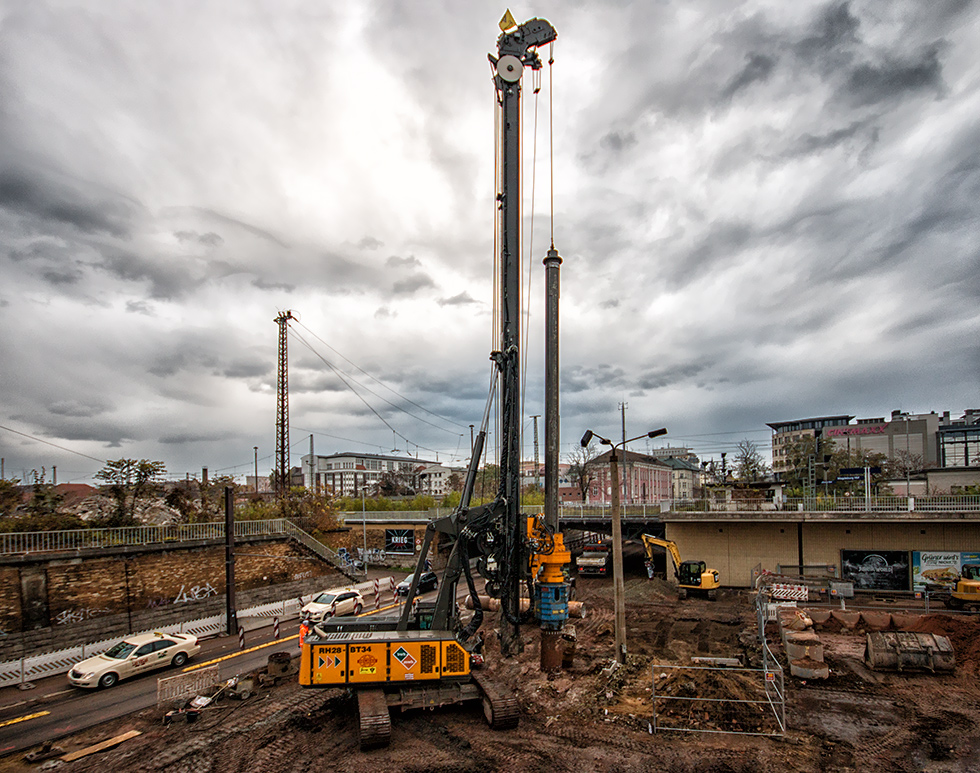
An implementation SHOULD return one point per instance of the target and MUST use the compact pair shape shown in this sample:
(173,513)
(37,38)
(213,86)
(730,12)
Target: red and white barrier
(377,594)
(789,592)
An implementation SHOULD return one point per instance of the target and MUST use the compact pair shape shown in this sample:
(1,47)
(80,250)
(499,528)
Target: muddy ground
(584,719)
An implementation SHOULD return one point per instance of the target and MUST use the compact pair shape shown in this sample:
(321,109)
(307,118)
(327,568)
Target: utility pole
(231,615)
(282,408)
(255,450)
(313,482)
(627,480)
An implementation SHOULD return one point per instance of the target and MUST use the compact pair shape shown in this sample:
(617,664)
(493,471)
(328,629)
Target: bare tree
(582,468)
(749,464)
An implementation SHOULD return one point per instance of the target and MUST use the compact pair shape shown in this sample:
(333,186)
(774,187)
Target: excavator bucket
(908,651)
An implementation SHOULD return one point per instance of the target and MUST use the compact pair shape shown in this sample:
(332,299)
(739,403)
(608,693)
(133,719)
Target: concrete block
(804,668)
(805,644)
(876,621)
(906,622)
(846,619)
(818,616)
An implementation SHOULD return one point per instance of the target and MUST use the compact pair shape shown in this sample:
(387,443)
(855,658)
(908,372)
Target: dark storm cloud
(835,31)
(581,378)
(44,201)
(165,280)
(77,409)
(412,284)
(807,144)
(370,243)
(262,284)
(66,276)
(616,142)
(716,247)
(230,221)
(665,377)
(209,239)
(177,438)
(463,299)
(758,68)
(246,369)
(396,262)
(892,78)
(139,307)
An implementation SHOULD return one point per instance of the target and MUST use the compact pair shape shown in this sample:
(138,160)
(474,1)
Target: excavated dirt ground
(585,720)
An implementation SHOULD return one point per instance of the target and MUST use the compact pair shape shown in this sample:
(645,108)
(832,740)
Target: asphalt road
(55,708)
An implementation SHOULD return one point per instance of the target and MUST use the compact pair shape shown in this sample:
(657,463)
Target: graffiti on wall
(195,593)
(69,616)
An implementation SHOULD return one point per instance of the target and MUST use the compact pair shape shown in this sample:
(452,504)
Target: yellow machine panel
(455,660)
(414,660)
(383,656)
(367,662)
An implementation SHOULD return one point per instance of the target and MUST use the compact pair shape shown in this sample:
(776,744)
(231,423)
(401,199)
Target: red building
(642,479)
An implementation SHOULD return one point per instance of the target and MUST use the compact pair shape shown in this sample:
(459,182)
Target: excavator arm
(671,547)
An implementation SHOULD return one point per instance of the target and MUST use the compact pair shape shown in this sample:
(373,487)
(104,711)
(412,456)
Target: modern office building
(937,440)
(348,474)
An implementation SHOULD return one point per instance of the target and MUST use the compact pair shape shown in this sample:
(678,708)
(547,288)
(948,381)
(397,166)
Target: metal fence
(22,543)
(760,711)
(764,713)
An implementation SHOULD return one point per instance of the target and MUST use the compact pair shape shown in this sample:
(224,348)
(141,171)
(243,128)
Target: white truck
(595,559)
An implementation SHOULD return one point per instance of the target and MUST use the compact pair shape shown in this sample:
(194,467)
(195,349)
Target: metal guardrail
(22,543)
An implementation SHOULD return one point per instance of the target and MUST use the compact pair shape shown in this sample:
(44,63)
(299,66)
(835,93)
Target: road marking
(240,652)
(268,644)
(24,719)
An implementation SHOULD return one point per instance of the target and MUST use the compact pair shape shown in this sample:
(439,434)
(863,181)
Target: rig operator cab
(692,576)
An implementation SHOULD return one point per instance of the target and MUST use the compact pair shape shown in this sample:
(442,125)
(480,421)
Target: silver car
(340,601)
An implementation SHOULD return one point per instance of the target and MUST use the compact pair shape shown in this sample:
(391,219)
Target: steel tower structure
(282,408)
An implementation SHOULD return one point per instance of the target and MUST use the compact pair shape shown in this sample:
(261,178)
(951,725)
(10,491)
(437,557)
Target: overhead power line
(54,445)
(379,381)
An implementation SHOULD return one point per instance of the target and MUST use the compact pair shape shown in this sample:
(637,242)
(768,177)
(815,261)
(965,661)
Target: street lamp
(255,449)
(617,534)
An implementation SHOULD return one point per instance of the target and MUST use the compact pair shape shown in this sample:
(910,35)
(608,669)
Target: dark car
(427,581)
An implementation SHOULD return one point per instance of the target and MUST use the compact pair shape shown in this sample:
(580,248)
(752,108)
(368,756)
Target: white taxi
(134,655)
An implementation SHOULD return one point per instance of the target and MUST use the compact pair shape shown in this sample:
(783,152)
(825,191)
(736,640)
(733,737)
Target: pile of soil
(963,633)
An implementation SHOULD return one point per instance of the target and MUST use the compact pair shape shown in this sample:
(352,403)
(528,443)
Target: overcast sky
(766,211)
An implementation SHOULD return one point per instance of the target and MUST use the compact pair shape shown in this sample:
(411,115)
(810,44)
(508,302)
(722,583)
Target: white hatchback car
(134,655)
(340,601)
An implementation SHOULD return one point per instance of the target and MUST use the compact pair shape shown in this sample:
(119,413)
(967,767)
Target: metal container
(906,650)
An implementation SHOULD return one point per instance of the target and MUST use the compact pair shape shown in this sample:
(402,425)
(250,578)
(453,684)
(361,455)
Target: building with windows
(685,479)
(642,479)
(437,480)
(349,474)
(787,434)
(938,441)
(959,440)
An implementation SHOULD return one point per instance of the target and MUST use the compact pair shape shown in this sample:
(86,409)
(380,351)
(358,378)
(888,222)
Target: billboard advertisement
(400,541)
(939,567)
(876,569)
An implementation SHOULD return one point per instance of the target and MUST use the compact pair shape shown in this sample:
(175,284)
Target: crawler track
(374,730)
